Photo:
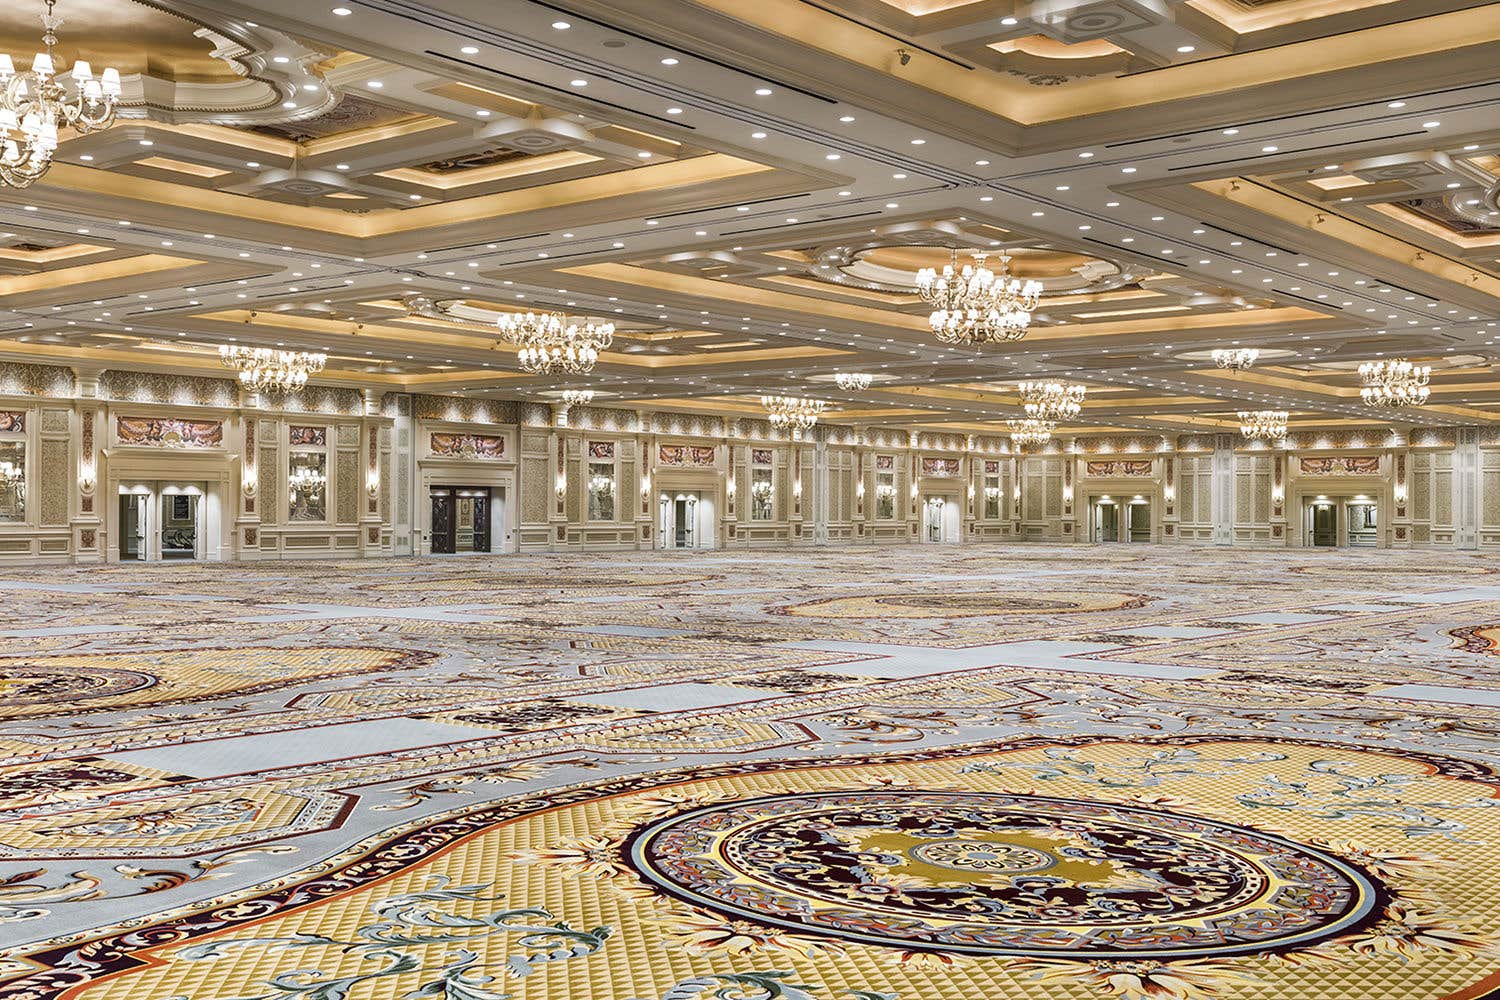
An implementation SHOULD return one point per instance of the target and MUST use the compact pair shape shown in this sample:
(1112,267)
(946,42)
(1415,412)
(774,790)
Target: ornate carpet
(918,774)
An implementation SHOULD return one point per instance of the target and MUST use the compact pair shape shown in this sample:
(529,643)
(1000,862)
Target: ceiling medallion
(976,306)
(548,342)
(1030,432)
(853,381)
(1236,359)
(1394,383)
(34,106)
(1263,425)
(271,372)
(1052,400)
(793,413)
(577,397)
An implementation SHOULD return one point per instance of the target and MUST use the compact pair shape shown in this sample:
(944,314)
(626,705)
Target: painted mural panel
(700,456)
(170,432)
(307,437)
(946,467)
(479,446)
(12,421)
(1341,465)
(1129,468)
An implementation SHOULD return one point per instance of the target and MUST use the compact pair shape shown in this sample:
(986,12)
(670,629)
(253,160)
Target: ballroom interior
(794,500)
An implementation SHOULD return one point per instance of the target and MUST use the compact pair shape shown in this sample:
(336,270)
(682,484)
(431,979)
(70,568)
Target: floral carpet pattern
(933,773)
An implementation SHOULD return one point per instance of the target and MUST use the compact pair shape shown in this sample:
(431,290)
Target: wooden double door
(460,519)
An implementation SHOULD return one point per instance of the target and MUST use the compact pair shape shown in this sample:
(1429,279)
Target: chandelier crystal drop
(547,342)
(1263,425)
(271,372)
(973,305)
(35,107)
(1052,400)
(792,412)
(577,397)
(1235,359)
(305,481)
(853,381)
(1030,432)
(1394,383)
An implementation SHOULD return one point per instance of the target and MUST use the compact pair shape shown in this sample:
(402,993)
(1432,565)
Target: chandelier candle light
(1052,400)
(1235,359)
(973,305)
(577,397)
(1263,425)
(853,381)
(271,372)
(34,107)
(793,413)
(548,342)
(1030,432)
(1394,383)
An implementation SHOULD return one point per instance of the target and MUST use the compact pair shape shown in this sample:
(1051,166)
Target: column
(88,513)
(1222,493)
(1466,473)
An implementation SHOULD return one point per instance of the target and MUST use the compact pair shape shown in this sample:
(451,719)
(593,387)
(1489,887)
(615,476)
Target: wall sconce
(913,491)
(1278,496)
(561,487)
(1400,495)
(86,480)
(859,488)
(1168,494)
(248,486)
(1067,494)
(729,487)
(646,484)
(372,485)
(1016,493)
(797,488)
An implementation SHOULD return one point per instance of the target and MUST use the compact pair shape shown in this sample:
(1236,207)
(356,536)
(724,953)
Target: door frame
(498,478)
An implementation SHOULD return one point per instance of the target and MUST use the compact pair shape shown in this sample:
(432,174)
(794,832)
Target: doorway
(461,519)
(1363,531)
(1322,524)
(940,519)
(1140,520)
(679,520)
(1106,520)
(161,522)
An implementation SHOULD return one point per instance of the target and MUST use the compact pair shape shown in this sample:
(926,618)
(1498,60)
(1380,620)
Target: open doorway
(161,522)
(462,519)
(940,516)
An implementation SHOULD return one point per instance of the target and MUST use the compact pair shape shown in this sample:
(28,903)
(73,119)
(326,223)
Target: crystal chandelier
(577,397)
(1235,359)
(11,475)
(973,305)
(547,342)
(271,372)
(34,106)
(1030,432)
(1052,400)
(853,381)
(1263,425)
(1394,383)
(792,413)
(306,481)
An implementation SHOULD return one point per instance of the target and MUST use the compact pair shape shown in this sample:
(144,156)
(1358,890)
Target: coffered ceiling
(748,189)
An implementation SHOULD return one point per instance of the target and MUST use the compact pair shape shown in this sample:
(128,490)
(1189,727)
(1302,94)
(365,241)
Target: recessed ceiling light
(87,158)
(561,25)
(1231,131)
(1396,104)
(762,91)
(280,59)
(1184,49)
(846,119)
(1269,149)
(833,156)
(1431,124)
(757,135)
(342,11)
(669,61)
(578,83)
(470,50)
(919,142)
(643,154)
(147,142)
(1007,21)
(374,84)
(674,111)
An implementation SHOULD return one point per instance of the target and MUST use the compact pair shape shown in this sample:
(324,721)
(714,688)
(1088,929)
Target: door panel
(443,533)
(482,522)
(1325,526)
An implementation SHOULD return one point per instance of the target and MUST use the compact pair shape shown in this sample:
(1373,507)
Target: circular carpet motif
(37,683)
(1002,874)
(966,605)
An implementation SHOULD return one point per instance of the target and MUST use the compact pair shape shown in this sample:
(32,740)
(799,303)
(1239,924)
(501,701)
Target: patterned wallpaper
(35,380)
(696,425)
(325,399)
(151,387)
(461,409)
